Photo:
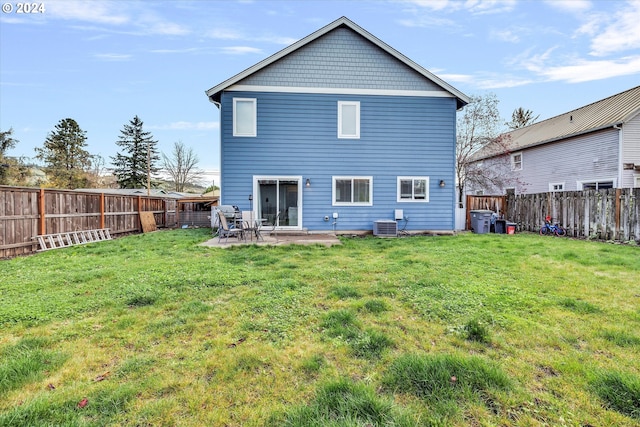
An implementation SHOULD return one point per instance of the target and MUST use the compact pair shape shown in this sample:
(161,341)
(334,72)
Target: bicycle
(549,228)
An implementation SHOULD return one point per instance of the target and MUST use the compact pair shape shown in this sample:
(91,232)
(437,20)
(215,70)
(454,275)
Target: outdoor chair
(274,225)
(251,225)
(225,231)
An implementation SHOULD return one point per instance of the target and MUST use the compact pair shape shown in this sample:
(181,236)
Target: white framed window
(352,191)
(413,189)
(349,119)
(556,186)
(636,182)
(516,161)
(245,117)
(596,185)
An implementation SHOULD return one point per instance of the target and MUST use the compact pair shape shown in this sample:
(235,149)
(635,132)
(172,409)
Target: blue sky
(103,62)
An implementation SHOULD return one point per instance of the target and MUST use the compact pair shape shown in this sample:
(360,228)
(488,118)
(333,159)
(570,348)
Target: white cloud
(167,51)
(240,50)
(227,34)
(112,56)
(104,12)
(571,6)
(167,29)
(479,7)
(584,70)
(622,32)
(486,81)
(506,35)
(223,34)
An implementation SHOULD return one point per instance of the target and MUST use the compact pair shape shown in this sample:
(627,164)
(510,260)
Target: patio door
(279,195)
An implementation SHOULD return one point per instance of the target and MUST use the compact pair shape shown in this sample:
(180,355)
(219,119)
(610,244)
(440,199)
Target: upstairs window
(413,189)
(516,161)
(245,117)
(349,119)
(352,190)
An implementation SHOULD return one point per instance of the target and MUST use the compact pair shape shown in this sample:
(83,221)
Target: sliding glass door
(279,201)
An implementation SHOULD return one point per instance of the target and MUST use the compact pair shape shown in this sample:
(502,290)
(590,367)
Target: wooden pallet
(63,240)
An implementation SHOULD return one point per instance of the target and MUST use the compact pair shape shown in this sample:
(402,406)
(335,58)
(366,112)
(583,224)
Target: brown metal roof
(614,110)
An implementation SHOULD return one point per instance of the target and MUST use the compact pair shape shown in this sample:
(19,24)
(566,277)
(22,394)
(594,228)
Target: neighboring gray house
(336,132)
(593,147)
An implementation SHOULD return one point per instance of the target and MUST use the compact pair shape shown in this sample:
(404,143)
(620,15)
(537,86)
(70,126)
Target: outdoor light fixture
(250,197)
(442,183)
(308,184)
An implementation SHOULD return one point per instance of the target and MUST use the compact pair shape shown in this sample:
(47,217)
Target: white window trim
(413,199)
(580,184)
(636,181)
(255,117)
(357,105)
(513,163)
(552,184)
(350,177)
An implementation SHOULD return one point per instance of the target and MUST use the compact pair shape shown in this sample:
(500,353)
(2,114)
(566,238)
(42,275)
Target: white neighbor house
(593,147)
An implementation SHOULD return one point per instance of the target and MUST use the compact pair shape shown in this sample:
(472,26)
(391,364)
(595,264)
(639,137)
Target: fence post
(139,222)
(616,230)
(102,210)
(42,224)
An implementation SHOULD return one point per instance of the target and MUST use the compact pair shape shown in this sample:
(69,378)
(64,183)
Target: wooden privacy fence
(26,213)
(485,203)
(612,214)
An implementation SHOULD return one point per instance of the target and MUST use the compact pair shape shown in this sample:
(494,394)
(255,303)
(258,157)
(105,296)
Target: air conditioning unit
(385,228)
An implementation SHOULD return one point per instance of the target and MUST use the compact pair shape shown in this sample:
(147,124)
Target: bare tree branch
(182,166)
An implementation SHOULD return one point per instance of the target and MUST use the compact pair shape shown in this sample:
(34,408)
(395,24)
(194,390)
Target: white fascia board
(340,91)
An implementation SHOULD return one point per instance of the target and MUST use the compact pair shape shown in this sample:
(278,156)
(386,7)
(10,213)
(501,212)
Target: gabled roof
(614,110)
(215,92)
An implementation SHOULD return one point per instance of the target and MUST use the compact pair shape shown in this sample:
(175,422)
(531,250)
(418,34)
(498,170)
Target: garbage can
(481,221)
(501,226)
(511,228)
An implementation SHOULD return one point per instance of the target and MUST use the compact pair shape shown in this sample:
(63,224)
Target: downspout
(219,105)
(620,159)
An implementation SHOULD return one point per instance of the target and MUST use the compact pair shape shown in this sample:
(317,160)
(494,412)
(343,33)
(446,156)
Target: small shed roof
(614,110)
(215,92)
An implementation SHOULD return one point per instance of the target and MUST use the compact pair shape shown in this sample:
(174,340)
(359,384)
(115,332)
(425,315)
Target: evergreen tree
(521,118)
(64,155)
(6,142)
(136,164)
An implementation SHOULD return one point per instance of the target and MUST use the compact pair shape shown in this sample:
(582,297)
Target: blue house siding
(297,136)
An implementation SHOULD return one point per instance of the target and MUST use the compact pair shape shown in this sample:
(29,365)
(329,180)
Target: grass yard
(480,330)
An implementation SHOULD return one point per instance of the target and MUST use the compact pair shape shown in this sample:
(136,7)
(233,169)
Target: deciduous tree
(135,165)
(64,155)
(478,132)
(182,166)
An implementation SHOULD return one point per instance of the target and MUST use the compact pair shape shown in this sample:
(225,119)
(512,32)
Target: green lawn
(479,330)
